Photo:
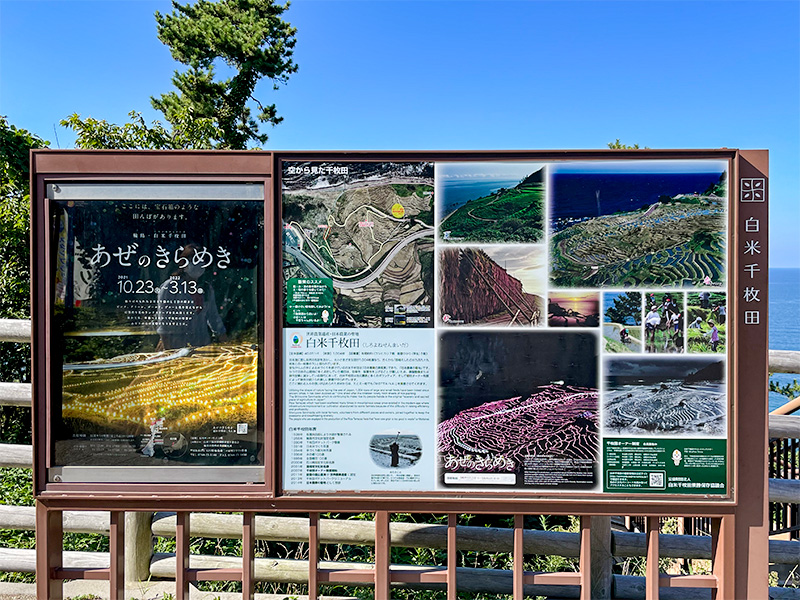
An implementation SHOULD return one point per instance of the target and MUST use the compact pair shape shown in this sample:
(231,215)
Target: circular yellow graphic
(398,211)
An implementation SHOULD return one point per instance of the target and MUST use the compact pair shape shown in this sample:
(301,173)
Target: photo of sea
(784,325)
(580,195)
(459,192)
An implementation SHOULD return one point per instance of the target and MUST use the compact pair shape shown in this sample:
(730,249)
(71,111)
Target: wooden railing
(142,564)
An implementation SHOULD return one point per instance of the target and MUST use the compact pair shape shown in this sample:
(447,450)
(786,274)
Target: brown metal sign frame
(740,516)
(744,375)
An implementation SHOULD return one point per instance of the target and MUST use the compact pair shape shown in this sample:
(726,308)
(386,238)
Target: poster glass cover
(156,326)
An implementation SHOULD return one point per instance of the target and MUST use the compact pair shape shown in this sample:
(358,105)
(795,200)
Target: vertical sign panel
(752,522)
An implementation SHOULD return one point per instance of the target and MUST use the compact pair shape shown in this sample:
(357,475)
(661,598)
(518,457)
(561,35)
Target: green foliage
(246,35)
(617,145)
(790,390)
(188,132)
(626,306)
(15,147)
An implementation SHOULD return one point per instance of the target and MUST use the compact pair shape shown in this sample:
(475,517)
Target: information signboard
(157,332)
(421,326)
(549,326)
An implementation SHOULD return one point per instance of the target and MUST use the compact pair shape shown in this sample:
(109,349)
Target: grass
(698,342)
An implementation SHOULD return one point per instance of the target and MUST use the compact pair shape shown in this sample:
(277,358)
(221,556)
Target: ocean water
(784,321)
(575,194)
(457,193)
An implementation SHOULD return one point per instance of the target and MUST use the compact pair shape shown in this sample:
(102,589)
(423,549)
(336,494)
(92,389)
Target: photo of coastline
(673,396)
(622,322)
(573,309)
(492,285)
(491,202)
(643,224)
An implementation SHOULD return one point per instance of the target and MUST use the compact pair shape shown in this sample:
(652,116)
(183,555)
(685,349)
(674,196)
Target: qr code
(656,480)
(241,428)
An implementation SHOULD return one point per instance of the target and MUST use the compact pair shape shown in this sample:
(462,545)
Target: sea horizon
(457,192)
(784,325)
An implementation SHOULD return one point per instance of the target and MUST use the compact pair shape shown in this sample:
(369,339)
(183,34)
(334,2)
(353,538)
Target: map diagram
(367,228)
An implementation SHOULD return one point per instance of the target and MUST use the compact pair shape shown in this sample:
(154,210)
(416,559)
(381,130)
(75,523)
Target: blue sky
(456,75)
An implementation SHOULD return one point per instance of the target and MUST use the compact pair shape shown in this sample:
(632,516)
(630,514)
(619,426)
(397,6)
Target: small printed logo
(676,457)
(297,340)
(446,318)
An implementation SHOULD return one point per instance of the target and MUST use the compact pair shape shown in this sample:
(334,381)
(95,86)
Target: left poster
(157,325)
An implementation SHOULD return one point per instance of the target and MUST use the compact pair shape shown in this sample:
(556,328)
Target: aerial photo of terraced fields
(367,229)
(491,202)
(667,396)
(663,225)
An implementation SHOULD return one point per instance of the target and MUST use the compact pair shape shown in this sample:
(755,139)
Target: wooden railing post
(652,573)
(602,561)
(182,555)
(313,555)
(518,569)
(452,556)
(138,547)
(49,543)
(116,544)
(382,555)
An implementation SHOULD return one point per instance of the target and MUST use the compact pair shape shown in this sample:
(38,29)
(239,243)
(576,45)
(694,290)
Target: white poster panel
(359,408)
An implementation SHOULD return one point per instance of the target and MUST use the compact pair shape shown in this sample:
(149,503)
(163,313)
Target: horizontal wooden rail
(784,361)
(15,330)
(16,455)
(15,394)
(784,490)
(470,580)
(23,518)
(408,535)
(15,560)
(784,426)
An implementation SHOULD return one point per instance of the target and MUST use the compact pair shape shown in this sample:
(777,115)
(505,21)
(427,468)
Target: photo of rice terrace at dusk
(501,413)
(570,309)
(128,400)
(657,227)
